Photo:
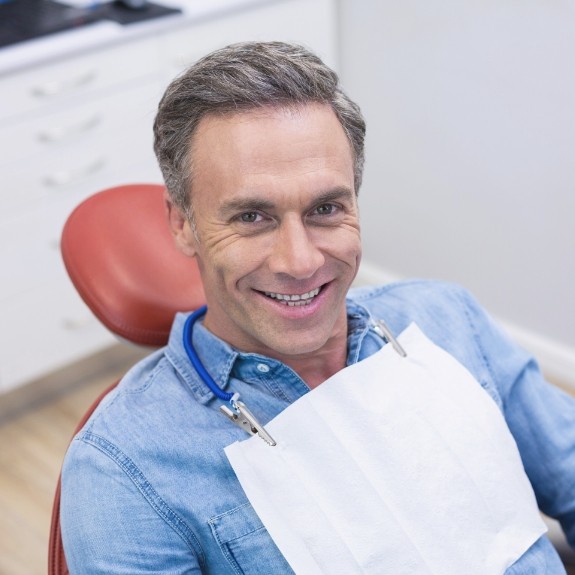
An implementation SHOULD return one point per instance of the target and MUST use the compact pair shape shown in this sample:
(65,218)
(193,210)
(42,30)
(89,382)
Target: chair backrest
(122,259)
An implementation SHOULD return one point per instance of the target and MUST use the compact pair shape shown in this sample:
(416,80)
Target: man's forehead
(269,132)
(269,148)
(217,121)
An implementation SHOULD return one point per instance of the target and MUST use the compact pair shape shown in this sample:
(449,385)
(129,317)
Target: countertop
(19,57)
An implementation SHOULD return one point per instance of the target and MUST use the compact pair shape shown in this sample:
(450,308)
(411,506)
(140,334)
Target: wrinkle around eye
(222,239)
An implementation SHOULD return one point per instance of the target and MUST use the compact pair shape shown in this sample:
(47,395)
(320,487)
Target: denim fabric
(146,486)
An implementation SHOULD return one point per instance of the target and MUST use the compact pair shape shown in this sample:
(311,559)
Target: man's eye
(249,217)
(325,209)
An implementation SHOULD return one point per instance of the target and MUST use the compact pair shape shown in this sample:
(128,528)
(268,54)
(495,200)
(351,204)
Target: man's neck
(321,365)
(313,366)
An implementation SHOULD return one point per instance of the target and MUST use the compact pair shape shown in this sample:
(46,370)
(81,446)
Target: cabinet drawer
(119,121)
(115,131)
(44,330)
(71,81)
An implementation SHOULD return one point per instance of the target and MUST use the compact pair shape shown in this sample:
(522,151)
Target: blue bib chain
(239,413)
(196,362)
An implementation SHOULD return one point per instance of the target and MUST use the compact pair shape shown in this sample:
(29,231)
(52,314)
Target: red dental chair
(121,258)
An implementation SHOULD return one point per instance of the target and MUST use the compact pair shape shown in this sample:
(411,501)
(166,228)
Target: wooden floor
(32,446)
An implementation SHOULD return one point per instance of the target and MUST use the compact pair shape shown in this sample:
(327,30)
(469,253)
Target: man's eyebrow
(236,205)
(342,193)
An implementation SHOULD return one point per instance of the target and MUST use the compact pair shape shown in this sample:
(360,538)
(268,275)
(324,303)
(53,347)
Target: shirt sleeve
(112,521)
(540,416)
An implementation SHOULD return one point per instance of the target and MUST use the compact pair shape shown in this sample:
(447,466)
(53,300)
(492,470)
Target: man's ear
(181,228)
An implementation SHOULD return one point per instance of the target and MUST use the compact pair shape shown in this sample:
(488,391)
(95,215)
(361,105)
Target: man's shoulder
(151,399)
(410,295)
(138,384)
(151,411)
(445,311)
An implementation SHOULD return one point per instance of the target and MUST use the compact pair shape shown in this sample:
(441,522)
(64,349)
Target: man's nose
(294,252)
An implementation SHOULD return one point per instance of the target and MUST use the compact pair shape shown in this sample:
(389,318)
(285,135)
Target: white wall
(470,171)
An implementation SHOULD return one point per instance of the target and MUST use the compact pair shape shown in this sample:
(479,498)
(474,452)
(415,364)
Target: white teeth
(294,300)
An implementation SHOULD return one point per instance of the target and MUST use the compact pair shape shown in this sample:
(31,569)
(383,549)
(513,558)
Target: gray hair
(239,78)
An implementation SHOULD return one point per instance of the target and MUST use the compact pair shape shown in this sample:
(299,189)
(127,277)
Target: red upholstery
(121,257)
(56,558)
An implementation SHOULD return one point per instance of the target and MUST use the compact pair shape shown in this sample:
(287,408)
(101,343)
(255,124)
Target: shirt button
(263,367)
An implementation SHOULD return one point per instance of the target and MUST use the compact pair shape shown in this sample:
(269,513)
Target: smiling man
(275,233)
(262,155)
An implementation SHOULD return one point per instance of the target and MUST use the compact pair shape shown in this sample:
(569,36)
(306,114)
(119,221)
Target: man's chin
(294,343)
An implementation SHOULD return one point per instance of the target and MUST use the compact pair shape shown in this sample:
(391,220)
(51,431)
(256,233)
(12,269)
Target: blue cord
(199,367)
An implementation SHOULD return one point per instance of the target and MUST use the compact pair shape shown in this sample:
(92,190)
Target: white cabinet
(83,123)
(67,130)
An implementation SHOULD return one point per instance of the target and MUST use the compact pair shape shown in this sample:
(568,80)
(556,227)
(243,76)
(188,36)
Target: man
(262,155)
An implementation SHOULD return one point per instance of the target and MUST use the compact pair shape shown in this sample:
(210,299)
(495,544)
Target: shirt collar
(359,323)
(218,357)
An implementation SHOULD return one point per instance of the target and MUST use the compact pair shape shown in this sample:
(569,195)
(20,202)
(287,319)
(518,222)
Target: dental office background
(470,169)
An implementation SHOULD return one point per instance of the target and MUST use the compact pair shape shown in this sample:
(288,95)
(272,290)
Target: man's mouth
(294,299)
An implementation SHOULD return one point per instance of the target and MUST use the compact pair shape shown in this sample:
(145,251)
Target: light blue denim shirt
(147,488)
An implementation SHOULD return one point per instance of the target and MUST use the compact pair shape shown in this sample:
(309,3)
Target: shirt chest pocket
(246,544)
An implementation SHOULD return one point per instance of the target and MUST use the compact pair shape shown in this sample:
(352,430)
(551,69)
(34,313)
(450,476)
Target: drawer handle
(62,133)
(56,88)
(66,177)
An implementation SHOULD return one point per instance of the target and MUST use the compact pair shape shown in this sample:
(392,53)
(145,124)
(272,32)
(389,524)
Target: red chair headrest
(121,257)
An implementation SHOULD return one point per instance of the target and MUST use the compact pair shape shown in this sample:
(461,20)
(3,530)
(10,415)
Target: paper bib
(394,465)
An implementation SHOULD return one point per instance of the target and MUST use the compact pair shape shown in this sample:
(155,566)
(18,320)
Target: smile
(296,299)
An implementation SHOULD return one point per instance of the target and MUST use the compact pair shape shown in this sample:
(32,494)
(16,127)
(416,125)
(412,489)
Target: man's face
(277,228)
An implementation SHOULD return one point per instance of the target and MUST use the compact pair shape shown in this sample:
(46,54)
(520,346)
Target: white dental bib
(394,465)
